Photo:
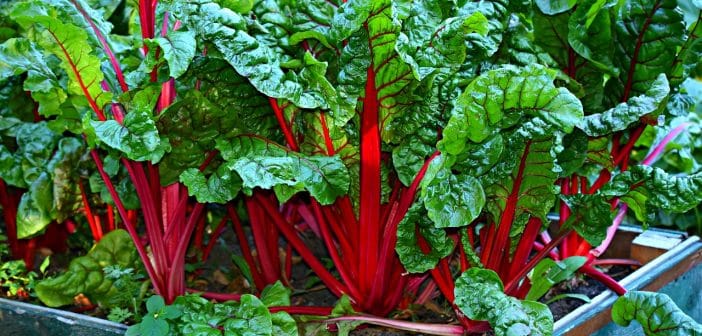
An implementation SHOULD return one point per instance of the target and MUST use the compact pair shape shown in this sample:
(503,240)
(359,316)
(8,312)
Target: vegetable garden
(393,154)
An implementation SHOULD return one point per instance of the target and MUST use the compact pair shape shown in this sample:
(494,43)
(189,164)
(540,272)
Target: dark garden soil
(580,285)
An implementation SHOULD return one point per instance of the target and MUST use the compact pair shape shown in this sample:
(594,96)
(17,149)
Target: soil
(584,286)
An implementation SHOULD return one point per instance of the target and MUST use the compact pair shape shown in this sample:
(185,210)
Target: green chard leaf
(138,138)
(70,44)
(510,97)
(429,50)
(644,188)
(625,114)
(252,58)
(451,200)
(687,62)
(525,176)
(54,194)
(580,42)
(178,49)
(267,165)
(656,312)
(480,295)
(412,226)
(591,216)
(19,55)
(220,187)
(85,274)
(225,106)
(647,36)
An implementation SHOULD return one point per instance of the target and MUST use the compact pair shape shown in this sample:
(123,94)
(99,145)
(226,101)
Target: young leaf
(276,295)
(85,274)
(451,200)
(414,225)
(656,312)
(19,55)
(591,216)
(548,273)
(138,138)
(178,49)
(252,318)
(220,187)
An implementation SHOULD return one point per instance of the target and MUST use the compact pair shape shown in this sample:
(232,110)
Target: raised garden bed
(672,265)
(17,318)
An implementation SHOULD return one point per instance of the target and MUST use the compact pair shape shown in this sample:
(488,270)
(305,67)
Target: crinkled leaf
(524,176)
(408,158)
(19,55)
(266,165)
(623,115)
(451,200)
(226,105)
(53,195)
(178,49)
(85,274)
(138,138)
(35,144)
(551,7)
(416,224)
(70,44)
(479,295)
(429,43)
(251,58)
(591,216)
(508,97)
(647,36)
(220,187)
(574,152)
(478,159)
(645,188)
(252,318)
(656,313)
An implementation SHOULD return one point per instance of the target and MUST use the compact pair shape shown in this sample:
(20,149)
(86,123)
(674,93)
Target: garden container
(672,264)
(19,319)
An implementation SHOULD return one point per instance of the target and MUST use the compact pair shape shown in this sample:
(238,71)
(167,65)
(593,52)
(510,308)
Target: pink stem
(424,328)
(221,297)
(656,152)
(155,279)
(604,279)
(596,252)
